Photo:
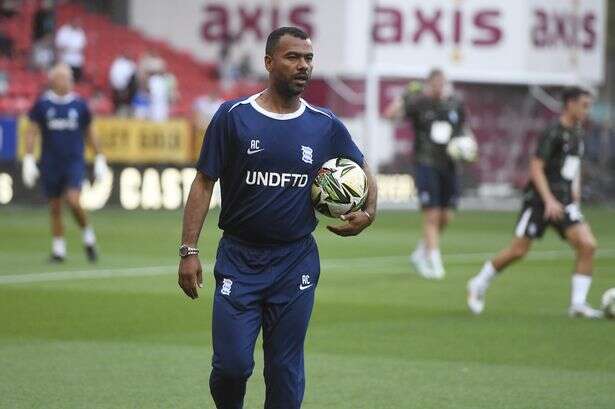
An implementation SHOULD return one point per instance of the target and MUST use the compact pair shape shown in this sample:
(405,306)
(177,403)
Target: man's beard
(288,89)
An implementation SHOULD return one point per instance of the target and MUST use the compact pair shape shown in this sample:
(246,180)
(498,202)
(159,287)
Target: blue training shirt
(266,163)
(62,121)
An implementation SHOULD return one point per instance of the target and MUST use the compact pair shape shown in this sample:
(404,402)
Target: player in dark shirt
(552,198)
(437,116)
(63,120)
(266,150)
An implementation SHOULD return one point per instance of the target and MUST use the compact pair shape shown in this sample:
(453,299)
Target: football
(339,188)
(463,148)
(608,303)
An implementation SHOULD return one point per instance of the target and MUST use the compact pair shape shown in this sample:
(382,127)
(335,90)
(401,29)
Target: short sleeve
(546,144)
(215,145)
(459,126)
(35,113)
(343,145)
(86,116)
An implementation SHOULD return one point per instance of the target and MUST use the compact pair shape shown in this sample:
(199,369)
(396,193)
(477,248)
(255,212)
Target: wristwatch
(185,251)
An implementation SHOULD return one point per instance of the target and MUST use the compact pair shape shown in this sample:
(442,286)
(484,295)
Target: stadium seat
(106,41)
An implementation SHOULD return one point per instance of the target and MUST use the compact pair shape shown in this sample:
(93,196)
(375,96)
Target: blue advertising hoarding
(8,138)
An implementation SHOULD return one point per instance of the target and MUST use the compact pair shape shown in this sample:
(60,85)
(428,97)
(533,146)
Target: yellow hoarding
(137,141)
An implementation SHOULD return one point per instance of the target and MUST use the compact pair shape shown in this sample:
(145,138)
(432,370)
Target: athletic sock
(89,238)
(487,273)
(419,251)
(58,246)
(580,288)
(436,258)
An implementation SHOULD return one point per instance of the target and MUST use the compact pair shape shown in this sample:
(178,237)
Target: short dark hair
(573,93)
(274,37)
(434,72)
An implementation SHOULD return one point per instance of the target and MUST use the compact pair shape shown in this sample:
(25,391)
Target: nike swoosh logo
(304,287)
(250,151)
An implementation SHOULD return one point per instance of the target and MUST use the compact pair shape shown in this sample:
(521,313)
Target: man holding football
(437,116)
(63,120)
(267,264)
(552,198)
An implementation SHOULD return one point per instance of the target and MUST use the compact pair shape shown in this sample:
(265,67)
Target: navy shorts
(532,223)
(268,288)
(56,178)
(436,187)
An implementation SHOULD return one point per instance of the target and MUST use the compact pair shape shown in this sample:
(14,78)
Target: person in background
(162,87)
(155,88)
(42,56)
(140,104)
(437,116)
(64,122)
(123,81)
(552,198)
(70,42)
(149,63)
(44,21)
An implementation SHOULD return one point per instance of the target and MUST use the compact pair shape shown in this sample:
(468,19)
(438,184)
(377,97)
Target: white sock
(89,238)
(580,288)
(487,273)
(58,246)
(435,257)
(420,250)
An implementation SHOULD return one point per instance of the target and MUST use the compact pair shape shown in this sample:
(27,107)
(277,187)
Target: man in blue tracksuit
(64,123)
(266,150)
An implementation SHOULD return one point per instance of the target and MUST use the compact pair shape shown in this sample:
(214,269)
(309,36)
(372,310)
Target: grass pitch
(120,334)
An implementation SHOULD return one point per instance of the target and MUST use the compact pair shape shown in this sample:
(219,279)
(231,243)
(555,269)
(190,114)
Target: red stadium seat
(106,41)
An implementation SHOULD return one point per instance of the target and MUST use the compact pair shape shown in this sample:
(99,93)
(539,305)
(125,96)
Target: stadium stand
(105,40)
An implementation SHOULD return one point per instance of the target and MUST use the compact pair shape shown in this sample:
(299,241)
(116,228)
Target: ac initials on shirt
(255,146)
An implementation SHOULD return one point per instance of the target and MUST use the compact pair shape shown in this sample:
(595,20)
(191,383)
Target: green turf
(121,335)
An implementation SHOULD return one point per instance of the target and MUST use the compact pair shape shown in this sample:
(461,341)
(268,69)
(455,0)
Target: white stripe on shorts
(523,221)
